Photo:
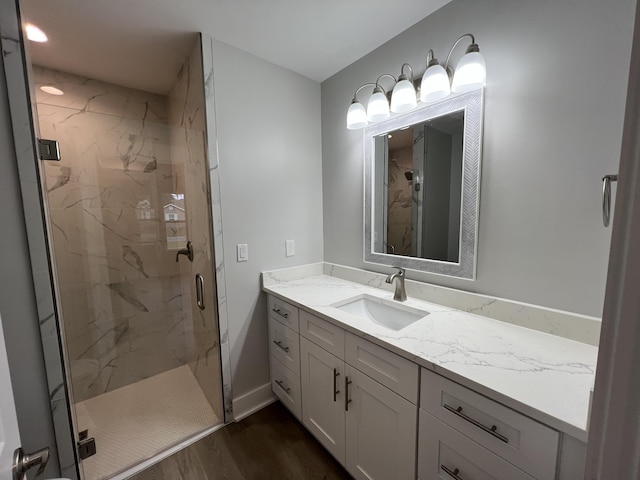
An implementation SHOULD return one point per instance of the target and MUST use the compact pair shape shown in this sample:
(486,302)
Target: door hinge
(49,149)
(86,446)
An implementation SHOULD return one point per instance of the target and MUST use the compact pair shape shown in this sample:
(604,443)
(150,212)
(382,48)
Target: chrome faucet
(400,293)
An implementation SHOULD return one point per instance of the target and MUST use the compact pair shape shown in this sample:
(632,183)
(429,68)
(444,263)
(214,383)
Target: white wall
(554,107)
(269,146)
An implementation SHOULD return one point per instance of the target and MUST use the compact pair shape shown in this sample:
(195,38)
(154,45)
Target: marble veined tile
(128,307)
(91,95)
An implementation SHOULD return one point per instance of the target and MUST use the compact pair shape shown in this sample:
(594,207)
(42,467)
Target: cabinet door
(381,431)
(322,409)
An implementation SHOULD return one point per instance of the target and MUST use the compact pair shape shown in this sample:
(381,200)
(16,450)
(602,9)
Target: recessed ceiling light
(51,90)
(35,34)
(390,136)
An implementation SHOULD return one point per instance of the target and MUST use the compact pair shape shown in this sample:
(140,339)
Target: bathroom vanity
(439,393)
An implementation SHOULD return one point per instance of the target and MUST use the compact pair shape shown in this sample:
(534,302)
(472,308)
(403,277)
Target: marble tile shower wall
(186,115)
(120,288)
(399,200)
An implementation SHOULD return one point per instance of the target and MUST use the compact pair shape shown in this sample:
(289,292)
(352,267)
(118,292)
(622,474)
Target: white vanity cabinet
(284,350)
(465,431)
(323,410)
(382,416)
(365,425)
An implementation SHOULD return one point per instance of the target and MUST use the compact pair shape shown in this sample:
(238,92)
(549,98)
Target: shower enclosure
(130,237)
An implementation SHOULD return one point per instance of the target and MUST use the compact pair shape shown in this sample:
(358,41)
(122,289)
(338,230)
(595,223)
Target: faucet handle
(401,271)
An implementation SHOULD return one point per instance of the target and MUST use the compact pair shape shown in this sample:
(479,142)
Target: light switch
(243,252)
(290,247)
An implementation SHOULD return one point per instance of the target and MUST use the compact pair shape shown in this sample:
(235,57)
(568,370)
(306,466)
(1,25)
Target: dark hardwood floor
(270,444)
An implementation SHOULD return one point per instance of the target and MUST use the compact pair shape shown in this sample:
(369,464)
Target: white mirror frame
(472,103)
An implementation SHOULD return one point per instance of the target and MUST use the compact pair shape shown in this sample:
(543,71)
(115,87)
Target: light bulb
(378,106)
(470,74)
(403,97)
(51,90)
(356,116)
(434,85)
(35,34)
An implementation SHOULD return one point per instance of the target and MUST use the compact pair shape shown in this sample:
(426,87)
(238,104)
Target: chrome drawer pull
(347,400)
(451,473)
(281,385)
(491,431)
(279,312)
(336,374)
(279,343)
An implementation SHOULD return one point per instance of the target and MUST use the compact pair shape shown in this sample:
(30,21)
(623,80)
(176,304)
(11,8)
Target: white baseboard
(252,401)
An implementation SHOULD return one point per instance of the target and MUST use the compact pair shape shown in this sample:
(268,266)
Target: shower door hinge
(49,149)
(86,446)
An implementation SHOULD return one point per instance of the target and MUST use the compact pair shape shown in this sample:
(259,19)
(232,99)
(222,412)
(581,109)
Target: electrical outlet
(290,247)
(243,252)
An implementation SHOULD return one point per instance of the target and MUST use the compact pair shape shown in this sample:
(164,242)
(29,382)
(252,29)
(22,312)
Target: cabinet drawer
(322,333)
(284,312)
(286,386)
(446,454)
(284,344)
(529,445)
(391,370)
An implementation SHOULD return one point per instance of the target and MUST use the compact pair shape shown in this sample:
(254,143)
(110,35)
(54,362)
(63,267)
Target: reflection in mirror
(421,187)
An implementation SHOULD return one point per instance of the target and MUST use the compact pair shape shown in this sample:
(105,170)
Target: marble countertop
(543,376)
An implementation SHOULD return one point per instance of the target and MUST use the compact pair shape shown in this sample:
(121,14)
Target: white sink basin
(387,313)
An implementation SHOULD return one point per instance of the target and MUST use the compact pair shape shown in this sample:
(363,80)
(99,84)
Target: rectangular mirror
(422,172)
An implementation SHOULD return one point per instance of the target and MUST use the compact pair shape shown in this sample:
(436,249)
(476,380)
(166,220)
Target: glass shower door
(140,324)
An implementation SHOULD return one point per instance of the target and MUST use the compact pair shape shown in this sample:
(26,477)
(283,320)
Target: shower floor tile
(136,422)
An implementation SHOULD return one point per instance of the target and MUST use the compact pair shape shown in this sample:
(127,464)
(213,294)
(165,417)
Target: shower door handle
(200,291)
(26,461)
(606,197)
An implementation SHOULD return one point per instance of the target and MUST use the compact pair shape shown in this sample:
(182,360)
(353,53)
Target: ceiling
(121,41)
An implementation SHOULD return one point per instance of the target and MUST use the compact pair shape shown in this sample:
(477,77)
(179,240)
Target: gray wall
(269,146)
(554,107)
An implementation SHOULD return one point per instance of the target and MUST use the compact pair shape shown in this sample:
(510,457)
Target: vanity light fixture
(357,115)
(378,106)
(471,72)
(437,83)
(403,98)
(35,34)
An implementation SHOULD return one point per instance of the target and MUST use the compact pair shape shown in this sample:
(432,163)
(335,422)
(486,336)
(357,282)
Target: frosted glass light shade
(434,85)
(378,107)
(403,97)
(356,116)
(470,74)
